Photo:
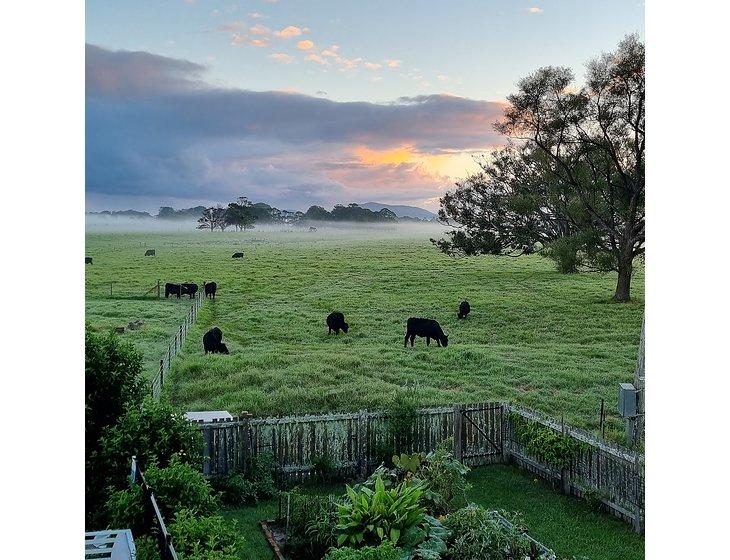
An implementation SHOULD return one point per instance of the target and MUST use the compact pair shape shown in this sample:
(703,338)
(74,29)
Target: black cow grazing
(312,228)
(213,342)
(336,322)
(464,309)
(149,253)
(172,290)
(88,260)
(210,289)
(237,255)
(189,288)
(425,328)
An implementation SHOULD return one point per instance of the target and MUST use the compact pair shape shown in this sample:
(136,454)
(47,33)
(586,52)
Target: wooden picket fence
(353,444)
(176,344)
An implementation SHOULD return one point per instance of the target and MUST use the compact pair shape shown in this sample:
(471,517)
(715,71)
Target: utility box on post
(627,400)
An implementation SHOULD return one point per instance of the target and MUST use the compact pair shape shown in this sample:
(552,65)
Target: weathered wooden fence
(354,443)
(176,344)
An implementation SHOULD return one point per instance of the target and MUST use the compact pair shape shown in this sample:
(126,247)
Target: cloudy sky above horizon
(298,103)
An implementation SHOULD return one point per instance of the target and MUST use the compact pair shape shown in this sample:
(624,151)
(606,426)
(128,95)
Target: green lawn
(550,341)
(564,524)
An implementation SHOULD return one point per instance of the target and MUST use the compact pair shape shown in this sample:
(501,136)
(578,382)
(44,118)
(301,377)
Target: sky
(297,103)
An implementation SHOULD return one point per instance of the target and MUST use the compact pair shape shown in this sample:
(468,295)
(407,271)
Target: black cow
(210,289)
(189,288)
(336,322)
(425,328)
(172,290)
(312,228)
(237,256)
(464,309)
(213,342)
(149,253)
(88,260)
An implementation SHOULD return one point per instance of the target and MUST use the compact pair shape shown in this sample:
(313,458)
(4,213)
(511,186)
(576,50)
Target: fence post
(158,289)
(458,424)
(506,437)
(181,337)
(362,436)
(169,354)
(162,373)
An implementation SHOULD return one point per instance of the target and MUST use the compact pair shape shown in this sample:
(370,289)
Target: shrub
(556,448)
(311,525)
(240,488)
(385,551)
(477,534)
(113,385)
(154,433)
(372,516)
(446,478)
(205,538)
(565,253)
(146,548)
(176,487)
(396,436)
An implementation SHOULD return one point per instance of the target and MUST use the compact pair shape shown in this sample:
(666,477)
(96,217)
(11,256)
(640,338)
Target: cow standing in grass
(172,290)
(464,309)
(149,253)
(336,322)
(427,328)
(210,289)
(213,342)
(190,289)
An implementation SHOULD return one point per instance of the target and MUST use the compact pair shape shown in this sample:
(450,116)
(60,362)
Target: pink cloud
(305,45)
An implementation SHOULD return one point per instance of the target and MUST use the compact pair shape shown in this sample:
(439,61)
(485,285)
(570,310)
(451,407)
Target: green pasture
(549,341)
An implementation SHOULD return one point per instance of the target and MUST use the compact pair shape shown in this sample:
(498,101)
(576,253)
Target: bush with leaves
(113,384)
(154,432)
(241,488)
(446,479)
(476,534)
(176,487)
(384,551)
(372,516)
(147,548)
(555,448)
(205,538)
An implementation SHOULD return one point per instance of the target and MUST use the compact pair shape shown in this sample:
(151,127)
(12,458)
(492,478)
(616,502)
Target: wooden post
(458,424)
(158,289)
(362,450)
(162,373)
(181,337)
(506,440)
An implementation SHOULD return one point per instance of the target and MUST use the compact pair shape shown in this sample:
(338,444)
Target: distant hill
(121,213)
(402,211)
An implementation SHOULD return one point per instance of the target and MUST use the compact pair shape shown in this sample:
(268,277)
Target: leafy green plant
(372,516)
(147,548)
(205,538)
(446,478)
(154,432)
(177,486)
(324,467)
(556,448)
(409,464)
(477,534)
(384,551)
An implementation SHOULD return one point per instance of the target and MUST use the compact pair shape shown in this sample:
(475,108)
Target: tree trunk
(623,286)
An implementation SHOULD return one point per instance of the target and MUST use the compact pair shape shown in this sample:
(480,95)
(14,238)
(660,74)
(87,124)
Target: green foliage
(384,551)
(397,437)
(565,252)
(205,538)
(477,534)
(154,433)
(324,468)
(371,516)
(146,547)
(556,448)
(409,464)
(238,488)
(176,487)
(311,525)
(113,384)
(446,478)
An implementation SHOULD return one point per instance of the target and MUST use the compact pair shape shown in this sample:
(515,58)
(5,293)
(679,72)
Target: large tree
(241,214)
(581,154)
(212,218)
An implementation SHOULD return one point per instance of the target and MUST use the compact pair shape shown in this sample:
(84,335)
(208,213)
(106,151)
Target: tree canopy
(571,182)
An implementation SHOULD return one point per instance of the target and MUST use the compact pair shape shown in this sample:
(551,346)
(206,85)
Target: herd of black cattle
(416,326)
(190,289)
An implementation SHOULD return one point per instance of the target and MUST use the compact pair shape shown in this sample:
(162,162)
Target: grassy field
(564,524)
(550,341)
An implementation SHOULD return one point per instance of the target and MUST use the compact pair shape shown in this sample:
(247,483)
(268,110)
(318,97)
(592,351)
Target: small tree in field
(574,181)
(240,214)
(212,218)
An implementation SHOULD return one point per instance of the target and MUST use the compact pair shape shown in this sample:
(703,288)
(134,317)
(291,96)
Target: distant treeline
(244,212)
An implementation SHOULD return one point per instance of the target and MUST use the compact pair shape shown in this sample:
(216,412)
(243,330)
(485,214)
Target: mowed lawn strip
(562,523)
(549,341)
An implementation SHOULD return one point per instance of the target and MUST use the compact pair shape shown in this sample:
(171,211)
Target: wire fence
(176,344)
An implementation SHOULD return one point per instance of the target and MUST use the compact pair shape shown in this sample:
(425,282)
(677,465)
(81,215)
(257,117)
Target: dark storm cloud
(154,127)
